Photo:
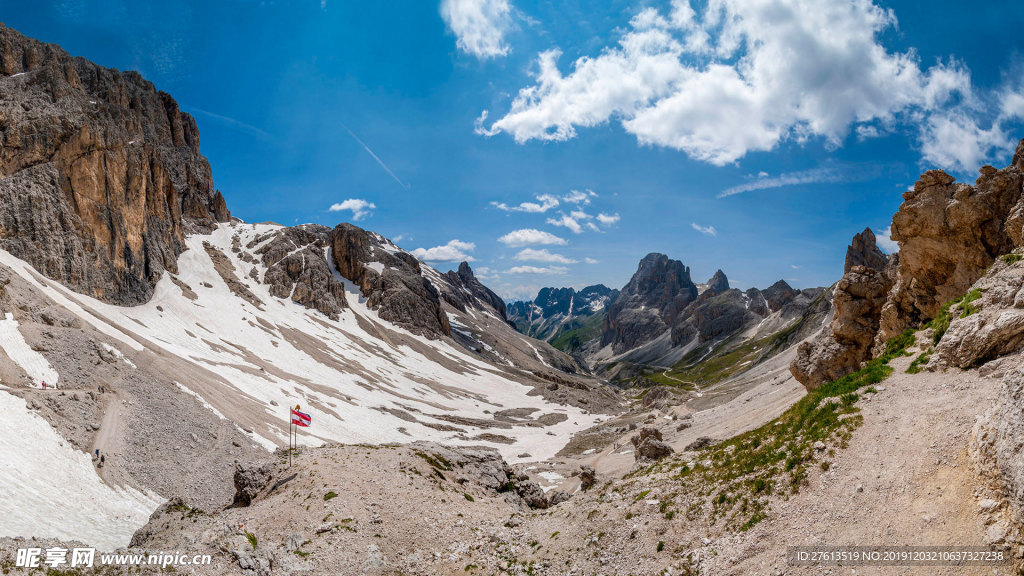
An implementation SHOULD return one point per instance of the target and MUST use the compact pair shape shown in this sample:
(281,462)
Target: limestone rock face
(298,270)
(468,289)
(949,233)
(995,325)
(863,251)
(100,174)
(857,303)
(250,480)
(718,283)
(652,301)
(648,445)
(391,280)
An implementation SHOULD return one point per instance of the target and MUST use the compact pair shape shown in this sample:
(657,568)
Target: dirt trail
(905,480)
(107,438)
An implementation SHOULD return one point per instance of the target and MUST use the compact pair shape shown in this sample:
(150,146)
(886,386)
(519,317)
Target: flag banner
(300,422)
(300,418)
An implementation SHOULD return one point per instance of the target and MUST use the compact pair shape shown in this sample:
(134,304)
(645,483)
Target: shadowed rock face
(468,289)
(863,251)
(718,283)
(391,280)
(100,174)
(557,310)
(652,302)
(298,270)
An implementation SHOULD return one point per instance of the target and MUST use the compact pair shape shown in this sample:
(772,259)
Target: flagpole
(290,426)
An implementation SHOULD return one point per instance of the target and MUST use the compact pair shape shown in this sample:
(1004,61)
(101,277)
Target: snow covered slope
(362,379)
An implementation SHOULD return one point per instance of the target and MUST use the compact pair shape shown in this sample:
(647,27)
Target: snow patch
(33,363)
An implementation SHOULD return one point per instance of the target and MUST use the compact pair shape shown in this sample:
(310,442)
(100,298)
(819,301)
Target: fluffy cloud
(591,261)
(885,242)
(544,203)
(537,270)
(607,219)
(528,236)
(532,255)
(454,251)
(360,208)
(479,25)
(709,230)
(735,77)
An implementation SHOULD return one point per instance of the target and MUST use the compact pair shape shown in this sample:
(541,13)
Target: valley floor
(905,479)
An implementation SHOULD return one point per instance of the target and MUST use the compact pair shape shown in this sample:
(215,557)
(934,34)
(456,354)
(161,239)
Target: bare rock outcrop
(297,269)
(649,304)
(468,291)
(949,233)
(100,174)
(250,481)
(649,445)
(391,280)
(857,303)
(991,325)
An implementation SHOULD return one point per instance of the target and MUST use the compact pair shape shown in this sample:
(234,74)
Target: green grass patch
(922,359)
(946,314)
(469,497)
(1012,259)
(329,495)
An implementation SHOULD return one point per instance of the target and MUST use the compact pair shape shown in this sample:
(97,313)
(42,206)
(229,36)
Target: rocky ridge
(101,175)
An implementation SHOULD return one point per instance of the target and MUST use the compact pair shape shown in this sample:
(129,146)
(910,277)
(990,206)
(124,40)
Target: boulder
(648,445)
(250,481)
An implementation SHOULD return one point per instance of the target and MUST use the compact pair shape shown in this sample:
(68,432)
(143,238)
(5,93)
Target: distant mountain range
(662,322)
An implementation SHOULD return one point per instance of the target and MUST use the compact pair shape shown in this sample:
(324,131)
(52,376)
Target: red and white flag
(300,418)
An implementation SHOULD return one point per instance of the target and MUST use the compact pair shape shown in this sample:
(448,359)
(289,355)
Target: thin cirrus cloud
(542,255)
(360,208)
(824,174)
(707,230)
(733,76)
(453,251)
(479,26)
(537,270)
(530,236)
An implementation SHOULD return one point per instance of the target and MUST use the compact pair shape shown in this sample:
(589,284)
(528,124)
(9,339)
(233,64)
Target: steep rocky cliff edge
(100,174)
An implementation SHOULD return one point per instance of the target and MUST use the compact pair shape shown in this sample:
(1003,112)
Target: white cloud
(579,198)
(794,266)
(591,261)
(532,255)
(824,174)
(574,221)
(709,230)
(528,236)
(735,76)
(537,270)
(485,273)
(953,140)
(479,25)
(885,242)
(607,219)
(453,251)
(544,203)
(360,208)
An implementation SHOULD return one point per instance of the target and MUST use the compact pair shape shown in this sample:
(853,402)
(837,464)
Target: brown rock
(100,174)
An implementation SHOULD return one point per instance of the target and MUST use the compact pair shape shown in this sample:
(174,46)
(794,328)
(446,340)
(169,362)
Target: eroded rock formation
(658,292)
(100,174)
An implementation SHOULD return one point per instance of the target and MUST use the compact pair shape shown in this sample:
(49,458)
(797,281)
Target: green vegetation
(739,474)
(470,498)
(252,539)
(661,545)
(1012,259)
(941,321)
(921,360)
(329,495)
(436,462)
(572,339)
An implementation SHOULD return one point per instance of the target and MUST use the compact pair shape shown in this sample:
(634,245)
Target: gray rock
(250,481)
(588,477)
(648,445)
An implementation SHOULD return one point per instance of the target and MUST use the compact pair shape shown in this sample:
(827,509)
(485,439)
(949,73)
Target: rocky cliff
(100,174)
(563,311)
(949,234)
(391,279)
(649,304)
(857,304)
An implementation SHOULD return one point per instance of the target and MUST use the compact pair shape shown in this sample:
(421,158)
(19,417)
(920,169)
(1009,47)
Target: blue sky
(557,143)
